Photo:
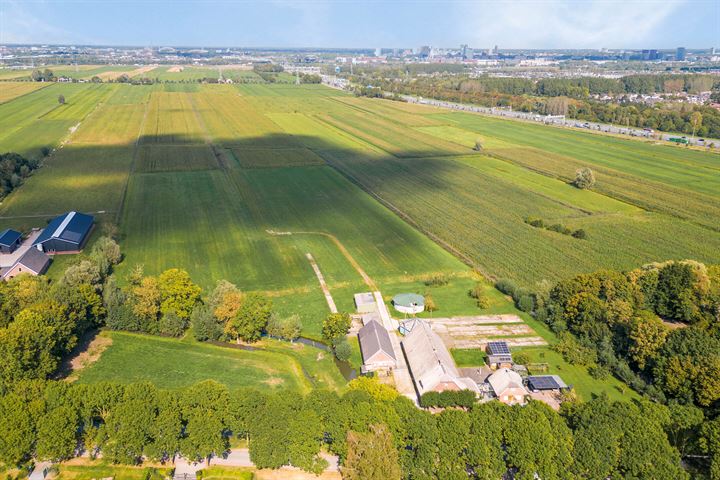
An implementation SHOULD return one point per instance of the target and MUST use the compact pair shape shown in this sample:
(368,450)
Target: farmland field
(240,182)
(172,363)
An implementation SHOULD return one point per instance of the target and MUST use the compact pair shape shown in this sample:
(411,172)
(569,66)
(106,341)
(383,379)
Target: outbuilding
(499,355)
(365,302)
(409,303)
(9,240)
(376,348)
(33,262)
(508,386)
(545,383)
(65,234)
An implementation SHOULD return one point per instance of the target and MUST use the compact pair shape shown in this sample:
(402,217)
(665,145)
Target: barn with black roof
(65,234)
(9,240)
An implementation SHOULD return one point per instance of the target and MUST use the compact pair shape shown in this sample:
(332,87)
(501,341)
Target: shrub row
(448,398)
(556,227)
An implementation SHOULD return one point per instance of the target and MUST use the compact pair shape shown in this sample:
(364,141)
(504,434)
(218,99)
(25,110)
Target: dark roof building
(33,262)
(66,233)
(540,383)
(376,348)
(9,240)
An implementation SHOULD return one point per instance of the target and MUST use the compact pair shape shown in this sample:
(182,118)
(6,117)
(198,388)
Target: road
(561,121)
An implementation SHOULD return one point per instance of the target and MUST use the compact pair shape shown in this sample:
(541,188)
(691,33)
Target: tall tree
(371,456)
(57,434)
(178,293)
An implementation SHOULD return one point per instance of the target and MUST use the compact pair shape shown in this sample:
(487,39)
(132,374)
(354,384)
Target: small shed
(376,348)
(409,303)
(365,302)
(9,240)
(544,383)
(499,355)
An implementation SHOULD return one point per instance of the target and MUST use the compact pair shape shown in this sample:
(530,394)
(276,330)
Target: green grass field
(93,470)
(173,363)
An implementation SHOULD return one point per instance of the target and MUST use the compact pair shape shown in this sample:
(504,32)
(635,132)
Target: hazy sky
(343,23)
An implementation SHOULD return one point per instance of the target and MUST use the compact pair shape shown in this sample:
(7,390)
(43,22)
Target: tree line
(667,116)
(14,168)
(377,434)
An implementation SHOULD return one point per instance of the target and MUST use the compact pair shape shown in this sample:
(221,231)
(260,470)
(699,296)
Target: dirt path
(323,285)
(366,278)
(88,351)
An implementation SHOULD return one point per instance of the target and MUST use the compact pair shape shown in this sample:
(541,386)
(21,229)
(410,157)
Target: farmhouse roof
(33,260)
(71,227)
(374,338)
(8,237)
(408,300)
(504,379)
(546,382)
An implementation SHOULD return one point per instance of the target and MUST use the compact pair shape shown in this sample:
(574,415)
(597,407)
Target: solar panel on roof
(543,382)
(498,348)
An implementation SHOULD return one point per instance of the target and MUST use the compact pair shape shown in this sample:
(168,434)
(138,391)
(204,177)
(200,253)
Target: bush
(579,233)
(45,151)
(437,280)
(535,222)
(521,358)
(171,324)
(526,303)
(204,324)
(448,398)
(430,305)
(574,352)
(343,351)
(599,372)
(506,286)
(584,178)
(478,293)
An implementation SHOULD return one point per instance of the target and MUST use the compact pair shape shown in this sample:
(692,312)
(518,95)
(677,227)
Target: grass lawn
(225,473)
(174,363)
(95,470)
(468,357)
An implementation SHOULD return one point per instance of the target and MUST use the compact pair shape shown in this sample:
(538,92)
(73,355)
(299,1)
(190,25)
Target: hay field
(12,90)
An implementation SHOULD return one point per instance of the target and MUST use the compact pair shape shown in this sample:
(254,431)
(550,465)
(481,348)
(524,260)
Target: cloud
(568,23)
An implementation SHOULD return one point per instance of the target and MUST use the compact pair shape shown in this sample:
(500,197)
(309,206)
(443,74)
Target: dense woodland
(607,321)
(571,97)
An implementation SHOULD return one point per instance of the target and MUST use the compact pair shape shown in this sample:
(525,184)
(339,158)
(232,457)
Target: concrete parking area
(9,259)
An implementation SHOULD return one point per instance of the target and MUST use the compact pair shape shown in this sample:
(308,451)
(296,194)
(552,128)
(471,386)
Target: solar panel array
(543,382)
(498,348)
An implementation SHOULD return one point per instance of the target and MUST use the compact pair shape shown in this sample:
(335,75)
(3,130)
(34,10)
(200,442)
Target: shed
(376,348)
(543,383)
(409,303)
(9,240)
(499,355)
(507,386)
(365,302)
(65,234)
(33,262)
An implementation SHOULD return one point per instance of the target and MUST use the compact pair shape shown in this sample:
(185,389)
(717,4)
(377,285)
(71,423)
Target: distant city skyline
(520,24)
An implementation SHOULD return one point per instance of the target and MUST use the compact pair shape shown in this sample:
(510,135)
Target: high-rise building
(378,52)
(463,50)
(495,50)
(680,54)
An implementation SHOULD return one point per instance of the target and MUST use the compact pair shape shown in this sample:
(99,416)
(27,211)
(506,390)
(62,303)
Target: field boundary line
(131,171)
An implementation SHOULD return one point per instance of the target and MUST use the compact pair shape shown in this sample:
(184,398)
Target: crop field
(12,90)
(172,363)
(276,157)
(167,158)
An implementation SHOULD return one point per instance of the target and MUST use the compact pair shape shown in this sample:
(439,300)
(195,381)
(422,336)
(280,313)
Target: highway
(561,121)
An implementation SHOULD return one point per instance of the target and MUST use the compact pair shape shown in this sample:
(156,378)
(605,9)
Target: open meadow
(241,182)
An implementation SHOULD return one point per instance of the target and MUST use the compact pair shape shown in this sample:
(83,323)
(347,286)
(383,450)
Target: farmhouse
(431,366)
(499,355)
(507,386)
(65,234)
(409,303)
(365,302)
(376,348)
(9,240)
(33,262)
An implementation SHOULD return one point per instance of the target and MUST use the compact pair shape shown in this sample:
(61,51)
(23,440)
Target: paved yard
(9,259)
